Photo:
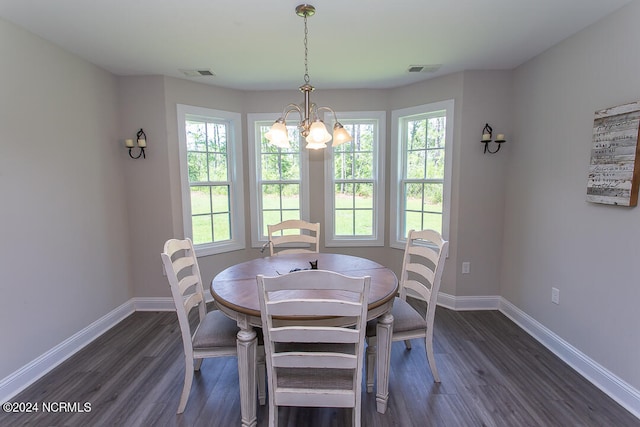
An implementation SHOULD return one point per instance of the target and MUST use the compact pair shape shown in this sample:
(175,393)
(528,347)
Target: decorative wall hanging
(614,171)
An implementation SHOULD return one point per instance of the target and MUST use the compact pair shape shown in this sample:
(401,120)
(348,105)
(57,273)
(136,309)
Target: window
(354,177)
(211,176)
(421,165)
(279,178)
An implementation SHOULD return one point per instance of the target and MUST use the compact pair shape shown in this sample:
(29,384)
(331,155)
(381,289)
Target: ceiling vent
(197,73)
(424,68)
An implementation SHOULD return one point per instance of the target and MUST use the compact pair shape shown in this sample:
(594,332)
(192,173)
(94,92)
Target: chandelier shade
(311,126)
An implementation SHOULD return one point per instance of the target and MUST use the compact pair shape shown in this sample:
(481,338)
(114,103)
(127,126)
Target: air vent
(197,73)
(424,68)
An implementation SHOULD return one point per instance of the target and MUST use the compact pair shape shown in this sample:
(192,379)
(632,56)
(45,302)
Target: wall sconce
(141,141)
(487,133)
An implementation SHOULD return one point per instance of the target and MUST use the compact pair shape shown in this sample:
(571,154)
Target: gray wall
(64,245)
(553,237)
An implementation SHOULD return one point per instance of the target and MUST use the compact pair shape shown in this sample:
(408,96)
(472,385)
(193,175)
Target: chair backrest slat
(187,282)
(285,234)
(322,334)
(309,307)
(316,360)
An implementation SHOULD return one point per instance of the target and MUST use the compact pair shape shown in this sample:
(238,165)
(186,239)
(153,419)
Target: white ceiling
(258,44)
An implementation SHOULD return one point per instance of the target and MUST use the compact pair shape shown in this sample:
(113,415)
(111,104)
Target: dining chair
(424,257)
(312,361)
(283,234)
(215,334)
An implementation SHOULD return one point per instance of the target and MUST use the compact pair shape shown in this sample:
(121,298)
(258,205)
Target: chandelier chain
(306,51)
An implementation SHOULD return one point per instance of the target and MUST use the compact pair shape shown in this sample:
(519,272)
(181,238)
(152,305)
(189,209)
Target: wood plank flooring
(493,374)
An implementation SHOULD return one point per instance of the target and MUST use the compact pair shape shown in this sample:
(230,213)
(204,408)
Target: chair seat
(405,318)
(216,330)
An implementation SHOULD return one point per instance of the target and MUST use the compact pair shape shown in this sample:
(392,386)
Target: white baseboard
(34,370)
(613,386)
(490,302)
(153,304)
(617,389)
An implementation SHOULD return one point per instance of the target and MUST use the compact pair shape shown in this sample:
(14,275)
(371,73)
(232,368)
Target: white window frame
(397,167)
(377,238)
(257,238)
(236,185)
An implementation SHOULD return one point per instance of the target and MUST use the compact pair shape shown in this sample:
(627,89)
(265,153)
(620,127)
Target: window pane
(363,167)
(217,137)
(290,166)
(340,166)
(197,167)
(217,167)
(413,221)
(364,223)
(196,136)
(220,198)
(415,165)
(221,227)
(416,134)
(432,221)
(364,196)
(270,166)
(291,214)
(433,198)
(201,229)
(435,164)
(270,218)
(344,222)
(200,200)
(290,196)
(413,196)
(343,197)
(436,132)
(365,137)
(271,196)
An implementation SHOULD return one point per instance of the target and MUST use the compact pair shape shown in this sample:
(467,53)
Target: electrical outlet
(555,295)
(466,267)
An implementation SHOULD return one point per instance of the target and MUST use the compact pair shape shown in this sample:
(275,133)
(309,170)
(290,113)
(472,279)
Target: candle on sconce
(486,137)
(128,143)
(142,143)
(500,137)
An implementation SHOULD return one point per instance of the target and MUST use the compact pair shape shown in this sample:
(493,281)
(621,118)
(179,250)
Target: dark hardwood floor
(493,374)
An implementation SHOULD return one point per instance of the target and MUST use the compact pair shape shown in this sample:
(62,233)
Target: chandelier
(312,128)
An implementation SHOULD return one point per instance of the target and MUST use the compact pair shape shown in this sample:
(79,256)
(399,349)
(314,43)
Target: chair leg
(197,364)
(188,379)
(370,362)
(356,412)
(407,344)
(431,359)
(273,414)
(262,394)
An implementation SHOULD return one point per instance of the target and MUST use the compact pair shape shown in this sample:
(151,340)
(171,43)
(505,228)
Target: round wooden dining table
(235,291)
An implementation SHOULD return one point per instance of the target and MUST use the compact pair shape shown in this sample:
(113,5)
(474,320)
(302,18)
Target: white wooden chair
(281,235)
(422,266)
(215,334)
(311,362)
